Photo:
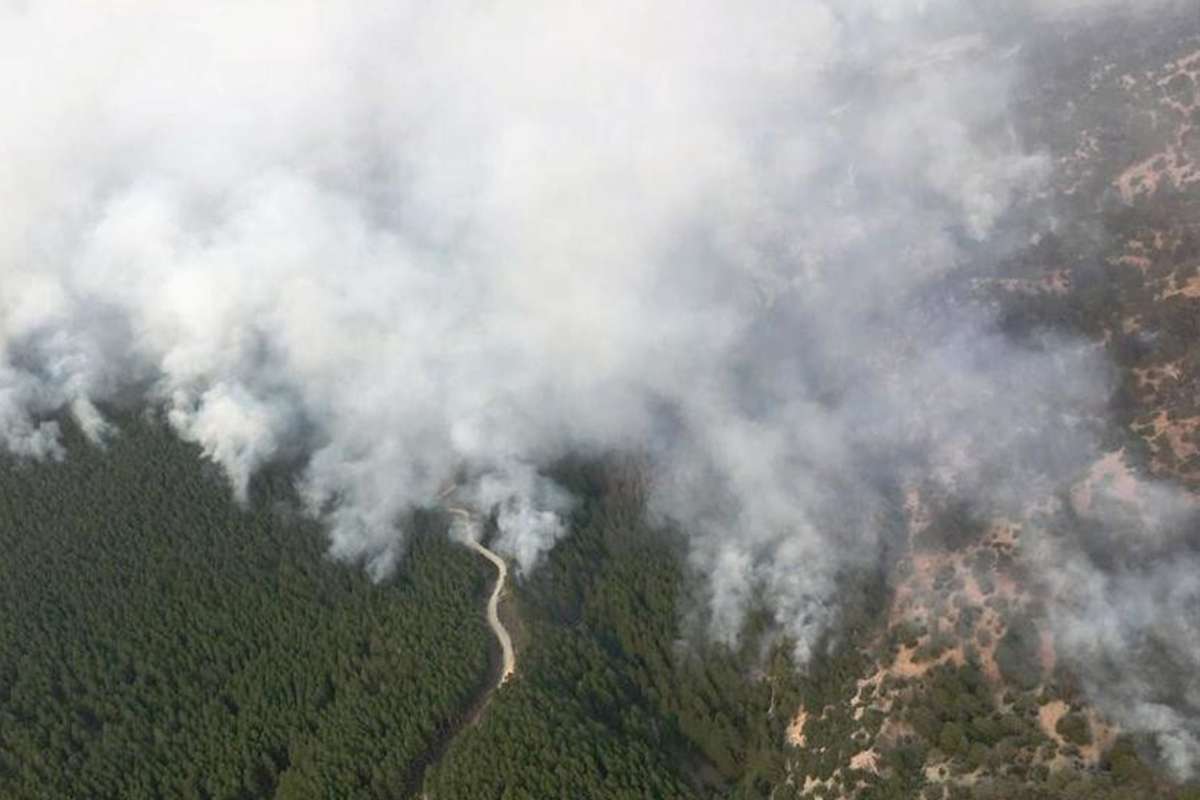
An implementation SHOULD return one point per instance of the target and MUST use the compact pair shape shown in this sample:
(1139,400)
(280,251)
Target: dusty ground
(1103,734)
(795,729)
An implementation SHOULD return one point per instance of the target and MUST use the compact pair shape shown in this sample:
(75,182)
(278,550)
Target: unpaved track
(508,660)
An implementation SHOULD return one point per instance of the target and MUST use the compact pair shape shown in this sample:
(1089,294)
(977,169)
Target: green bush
(1074,728)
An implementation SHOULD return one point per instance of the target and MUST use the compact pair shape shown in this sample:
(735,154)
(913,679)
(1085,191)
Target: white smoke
(401,238)
(1122,584)
(406,239)
(529,511)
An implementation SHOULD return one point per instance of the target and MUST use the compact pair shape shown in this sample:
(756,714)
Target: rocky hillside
(961,690)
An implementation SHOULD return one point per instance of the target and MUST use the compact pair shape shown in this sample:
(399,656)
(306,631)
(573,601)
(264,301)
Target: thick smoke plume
(404,242)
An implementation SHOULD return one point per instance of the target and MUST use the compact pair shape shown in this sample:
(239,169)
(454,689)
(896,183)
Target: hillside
(832,424)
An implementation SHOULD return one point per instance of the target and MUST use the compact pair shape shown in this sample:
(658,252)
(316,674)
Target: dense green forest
(611,701)
(156,640)
(161,641)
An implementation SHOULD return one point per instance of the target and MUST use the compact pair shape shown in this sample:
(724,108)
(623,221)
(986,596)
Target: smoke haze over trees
(403,247)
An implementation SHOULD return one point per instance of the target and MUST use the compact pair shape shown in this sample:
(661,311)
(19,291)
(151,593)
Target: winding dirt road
(509,658)
(508,662)
(508,655)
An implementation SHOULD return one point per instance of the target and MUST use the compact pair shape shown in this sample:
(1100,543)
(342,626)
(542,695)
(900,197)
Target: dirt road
(508,655)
